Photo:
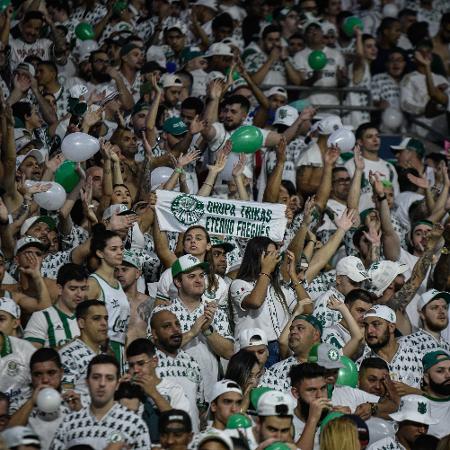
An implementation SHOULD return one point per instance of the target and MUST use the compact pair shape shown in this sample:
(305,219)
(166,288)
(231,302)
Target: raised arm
(441,274)
(238,177)
(389,237)
(272,191)
(355,188)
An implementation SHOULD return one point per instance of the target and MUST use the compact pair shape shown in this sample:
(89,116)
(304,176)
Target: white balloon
(48,400)
(390,10)
(159,176)
(87,46)
(79,147)
(343,139)
(392,118)
(226,173)
(380,428)
(52,199)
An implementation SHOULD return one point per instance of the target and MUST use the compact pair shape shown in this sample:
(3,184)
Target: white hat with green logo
(132,259)
(415,408)
(187,263)
(325,355)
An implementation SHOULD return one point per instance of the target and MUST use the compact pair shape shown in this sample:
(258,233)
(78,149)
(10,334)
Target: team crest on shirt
(115,437)
(12,369)
(187,209)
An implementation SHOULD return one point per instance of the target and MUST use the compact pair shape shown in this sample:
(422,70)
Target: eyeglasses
(140,363)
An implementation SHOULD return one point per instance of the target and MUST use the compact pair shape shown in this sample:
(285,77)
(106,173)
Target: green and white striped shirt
(51,327)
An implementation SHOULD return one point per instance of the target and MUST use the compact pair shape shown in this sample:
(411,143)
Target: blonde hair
(339,434)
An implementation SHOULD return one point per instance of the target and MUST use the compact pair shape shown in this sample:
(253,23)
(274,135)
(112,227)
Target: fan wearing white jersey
(107,248)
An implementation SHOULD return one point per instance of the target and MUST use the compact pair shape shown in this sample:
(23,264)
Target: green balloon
(4,4)
(236,75)
(350,23)
(256,393)
(317,60)
(278,446)
(66,175)
(238,421)
(348,375)
(329,417)
(84,31)
(247,139)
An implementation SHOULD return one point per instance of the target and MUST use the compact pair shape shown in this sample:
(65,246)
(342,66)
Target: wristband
(179,170)
(266,274)
(210,185)
(297,284)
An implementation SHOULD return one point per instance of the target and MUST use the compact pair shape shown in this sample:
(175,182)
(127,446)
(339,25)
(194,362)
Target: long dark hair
(240,367)
(213,284)
(251,265)
(100,238)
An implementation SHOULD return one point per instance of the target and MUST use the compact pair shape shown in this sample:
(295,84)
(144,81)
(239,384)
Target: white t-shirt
(21,49)
(351,397)
(440,410)
(51,327)
(271,316)
(328,79)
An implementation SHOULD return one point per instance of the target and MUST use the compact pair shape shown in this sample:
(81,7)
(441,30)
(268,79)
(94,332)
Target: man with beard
(305,331)
(103,74)
(401,357)
(436,380)
(433,312)
(131,62)
(219,250)
(174,363)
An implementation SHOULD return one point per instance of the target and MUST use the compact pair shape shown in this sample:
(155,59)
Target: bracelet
(208,332)
(297,284)
(179,170)
(373,408)
(381,197)
(210,185)
(266,274)
(445,251)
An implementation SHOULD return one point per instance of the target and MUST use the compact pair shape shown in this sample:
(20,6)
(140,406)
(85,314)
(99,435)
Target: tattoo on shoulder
(145,309)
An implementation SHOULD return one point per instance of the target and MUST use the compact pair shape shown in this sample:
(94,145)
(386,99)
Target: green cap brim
(176,268)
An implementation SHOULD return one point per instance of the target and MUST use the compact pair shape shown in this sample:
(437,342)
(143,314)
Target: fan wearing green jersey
(56,325)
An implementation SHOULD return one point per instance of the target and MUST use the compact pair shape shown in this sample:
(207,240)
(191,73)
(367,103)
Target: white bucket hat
(415,408)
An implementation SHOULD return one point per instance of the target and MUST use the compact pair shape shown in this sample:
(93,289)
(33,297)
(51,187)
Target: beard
(432,326)
(440,388)
(383,340)
(304,411)
(101,77)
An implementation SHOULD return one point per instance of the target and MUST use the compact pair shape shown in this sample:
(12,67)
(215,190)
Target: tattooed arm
(145,309)
(402,298)
(441,276)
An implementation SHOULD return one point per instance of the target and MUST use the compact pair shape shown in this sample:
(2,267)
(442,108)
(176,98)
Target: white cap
(216,435)
(208,3)
(29,241)
(222,387)
(275,403)
(383,312)
(118,208)
(156,53)
(329,124)
(22,137)
(383,273)
(251,337)
(39,155)
(219,49)
(10,306)
(18,436)
(352,267)
(415,408)
(26,67)
(78,90)
(276,90)
(169,80)
(431,295)
(285,115)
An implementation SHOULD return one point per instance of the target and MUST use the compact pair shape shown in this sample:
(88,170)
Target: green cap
(432,358)
(175,126)
(421,222)
(189,53)
(314,321)
(217,242)
(187,263)
(132,259)
(410,144)
(256,394)
(140,106)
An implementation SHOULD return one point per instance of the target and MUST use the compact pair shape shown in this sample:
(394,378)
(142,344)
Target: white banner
(177,212)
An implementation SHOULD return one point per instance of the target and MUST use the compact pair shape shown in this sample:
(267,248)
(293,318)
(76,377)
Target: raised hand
(308,113)
(92,117)
(122,222)
(238,168)
(281,149)
(377,185)
(420,182)
(55,162)
(269,261)
(187,158)
(335,304)
(373,236)
(216,88)
(222,157)
(155,85)
(22,82)
(345,222)
(358,158)
(331,156)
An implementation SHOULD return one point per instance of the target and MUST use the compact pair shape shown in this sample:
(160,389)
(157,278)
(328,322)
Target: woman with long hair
(107,250)
(196,242)
(339,434)
(257,296)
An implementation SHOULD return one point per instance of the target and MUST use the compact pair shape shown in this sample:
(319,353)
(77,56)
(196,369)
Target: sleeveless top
(118,309)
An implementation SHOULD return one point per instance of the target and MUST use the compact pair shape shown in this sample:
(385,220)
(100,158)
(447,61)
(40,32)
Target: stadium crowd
(224,225)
